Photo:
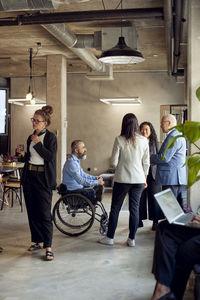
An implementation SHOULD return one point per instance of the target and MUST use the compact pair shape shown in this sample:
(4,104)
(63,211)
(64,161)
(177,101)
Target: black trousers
(38,198)
(154,211)
(177,250)
(119,193)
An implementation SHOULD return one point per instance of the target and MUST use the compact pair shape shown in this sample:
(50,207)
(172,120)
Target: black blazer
(47,151)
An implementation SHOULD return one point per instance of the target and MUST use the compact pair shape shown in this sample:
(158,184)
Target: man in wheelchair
(75,179)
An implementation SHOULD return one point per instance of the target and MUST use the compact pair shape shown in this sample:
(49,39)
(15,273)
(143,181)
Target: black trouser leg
(154,209)
(177,249)
(119,193)
(38,200)
(187,256)
(135,192)
(143,206)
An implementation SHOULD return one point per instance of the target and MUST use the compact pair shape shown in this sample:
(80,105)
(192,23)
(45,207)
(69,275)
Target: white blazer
(131,163)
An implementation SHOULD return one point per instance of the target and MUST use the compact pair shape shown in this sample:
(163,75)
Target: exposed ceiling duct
(100,71)
(60,32)
(10,5)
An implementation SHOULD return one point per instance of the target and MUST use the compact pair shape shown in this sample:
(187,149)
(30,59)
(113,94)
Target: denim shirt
(74,177)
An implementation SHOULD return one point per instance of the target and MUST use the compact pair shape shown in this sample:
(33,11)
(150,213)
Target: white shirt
(35,158)
(131,163)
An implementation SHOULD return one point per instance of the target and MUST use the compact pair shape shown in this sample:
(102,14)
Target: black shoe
(168,296)
(140,224)
(154,226)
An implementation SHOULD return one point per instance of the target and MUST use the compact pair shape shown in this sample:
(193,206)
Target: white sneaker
(107,241)
(131,243)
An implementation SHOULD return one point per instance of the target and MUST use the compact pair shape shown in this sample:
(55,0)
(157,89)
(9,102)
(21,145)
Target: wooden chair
(13,188)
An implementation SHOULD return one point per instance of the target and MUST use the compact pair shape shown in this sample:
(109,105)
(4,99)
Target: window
(3,111)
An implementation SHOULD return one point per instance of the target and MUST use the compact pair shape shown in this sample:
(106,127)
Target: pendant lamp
(121,54)
(30,95)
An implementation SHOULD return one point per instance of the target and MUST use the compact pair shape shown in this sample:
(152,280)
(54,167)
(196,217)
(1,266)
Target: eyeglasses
(36,121)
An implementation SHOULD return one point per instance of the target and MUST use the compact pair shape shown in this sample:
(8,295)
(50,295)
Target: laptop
(172,209)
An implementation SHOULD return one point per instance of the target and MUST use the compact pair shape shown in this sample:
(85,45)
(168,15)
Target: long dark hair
(130,127)
(153,140)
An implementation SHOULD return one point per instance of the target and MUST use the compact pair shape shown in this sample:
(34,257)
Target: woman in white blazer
(130,158)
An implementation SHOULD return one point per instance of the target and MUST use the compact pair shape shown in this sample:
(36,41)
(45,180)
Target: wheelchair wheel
(73,214)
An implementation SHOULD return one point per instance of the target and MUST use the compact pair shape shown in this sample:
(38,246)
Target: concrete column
(57,98)
(193,81)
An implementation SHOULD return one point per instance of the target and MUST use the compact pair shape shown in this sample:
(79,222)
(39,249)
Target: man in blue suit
(171,172)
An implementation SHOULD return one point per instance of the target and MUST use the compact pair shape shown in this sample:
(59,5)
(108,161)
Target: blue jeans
(94,194)
(119,193)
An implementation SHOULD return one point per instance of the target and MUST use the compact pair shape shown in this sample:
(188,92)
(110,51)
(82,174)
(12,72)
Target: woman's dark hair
(45,113)
(153,136)
(130,127)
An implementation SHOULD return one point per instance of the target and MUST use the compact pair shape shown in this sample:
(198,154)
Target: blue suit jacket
(171,170)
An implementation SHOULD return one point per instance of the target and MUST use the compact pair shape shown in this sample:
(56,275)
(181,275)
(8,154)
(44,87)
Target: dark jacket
(47,151)
(153,149)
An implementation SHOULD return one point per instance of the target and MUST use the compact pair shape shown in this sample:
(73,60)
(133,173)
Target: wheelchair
(74,213)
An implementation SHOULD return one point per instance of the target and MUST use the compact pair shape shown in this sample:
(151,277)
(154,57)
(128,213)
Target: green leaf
(198,93)
(198,178)
(180,127)
(170,145)
(192,131)
(193,163)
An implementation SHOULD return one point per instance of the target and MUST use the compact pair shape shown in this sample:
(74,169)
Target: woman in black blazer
(39,179)
(154,211)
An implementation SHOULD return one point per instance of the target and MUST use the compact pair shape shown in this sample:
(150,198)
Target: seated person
(76,179)
(177,250)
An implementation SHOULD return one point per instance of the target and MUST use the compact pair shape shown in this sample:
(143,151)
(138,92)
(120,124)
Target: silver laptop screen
(169,204)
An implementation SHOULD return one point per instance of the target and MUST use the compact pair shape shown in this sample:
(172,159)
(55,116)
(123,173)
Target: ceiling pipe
(83,16)
(177,33)
(168,33)
(61,33)
(173,46)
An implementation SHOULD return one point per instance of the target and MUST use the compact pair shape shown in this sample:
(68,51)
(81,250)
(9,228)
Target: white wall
(97,123)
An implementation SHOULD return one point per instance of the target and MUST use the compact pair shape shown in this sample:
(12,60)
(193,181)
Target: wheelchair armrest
(62,189)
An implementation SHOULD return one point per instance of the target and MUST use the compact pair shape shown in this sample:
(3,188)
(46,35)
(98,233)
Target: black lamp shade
(121,54)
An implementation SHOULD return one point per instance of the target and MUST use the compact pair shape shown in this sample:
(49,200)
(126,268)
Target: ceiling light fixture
(30,99)
(122,101)
(25,102)
(30,95)
(121,53)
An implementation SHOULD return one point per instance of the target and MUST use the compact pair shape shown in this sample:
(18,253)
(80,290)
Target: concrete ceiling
(15,41)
